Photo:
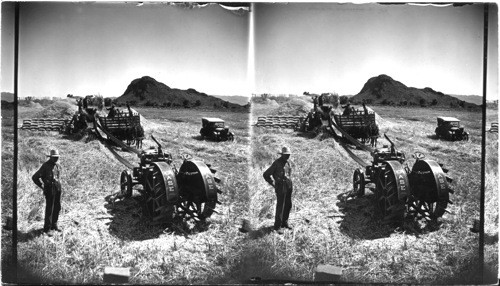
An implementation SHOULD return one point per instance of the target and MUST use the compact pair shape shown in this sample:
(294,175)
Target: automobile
(449,128)
(214,128)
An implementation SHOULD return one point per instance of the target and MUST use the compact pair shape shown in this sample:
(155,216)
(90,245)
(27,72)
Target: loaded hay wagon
(359,126)
(123,127)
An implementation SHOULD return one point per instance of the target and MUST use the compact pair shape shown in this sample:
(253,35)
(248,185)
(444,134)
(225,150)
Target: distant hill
(238,99)
(146,91)
(7,96)
(384,90)
(476,99)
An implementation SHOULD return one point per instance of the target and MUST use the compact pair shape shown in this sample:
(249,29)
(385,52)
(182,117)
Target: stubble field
(326,230)
(97,234)
(349,234)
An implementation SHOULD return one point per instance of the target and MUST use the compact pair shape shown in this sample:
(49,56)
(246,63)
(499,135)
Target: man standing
(48,179)
(281,171)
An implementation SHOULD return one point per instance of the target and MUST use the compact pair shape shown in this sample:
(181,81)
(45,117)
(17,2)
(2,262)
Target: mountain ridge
(383,89)
(147,91)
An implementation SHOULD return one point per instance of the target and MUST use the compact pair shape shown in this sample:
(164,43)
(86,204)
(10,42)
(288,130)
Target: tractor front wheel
(162,189)
(358,183)
(126,184)
(391,179)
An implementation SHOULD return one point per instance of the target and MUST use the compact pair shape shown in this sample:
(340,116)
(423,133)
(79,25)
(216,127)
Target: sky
(99,48)
(96,48)
(330,47)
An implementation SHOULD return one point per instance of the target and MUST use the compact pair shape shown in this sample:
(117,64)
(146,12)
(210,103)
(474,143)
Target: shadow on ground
(261,232)
(130,222)
(433,137)
(27,236)
(363,220)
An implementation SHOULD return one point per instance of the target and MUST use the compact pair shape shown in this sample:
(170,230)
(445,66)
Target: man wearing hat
(280,171)
(48,179)
(347,109)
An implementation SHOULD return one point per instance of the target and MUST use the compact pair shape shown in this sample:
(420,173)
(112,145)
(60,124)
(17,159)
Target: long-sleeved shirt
(280,170)
(49,173)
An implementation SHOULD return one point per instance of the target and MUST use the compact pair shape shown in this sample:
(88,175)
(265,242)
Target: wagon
(123,127)
(358,126)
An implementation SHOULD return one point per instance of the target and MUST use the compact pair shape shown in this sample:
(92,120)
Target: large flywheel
(198,190)
(392,189)
(430,190)
(162,189)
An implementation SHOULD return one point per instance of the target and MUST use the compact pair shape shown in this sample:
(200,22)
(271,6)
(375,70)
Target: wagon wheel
(391,184)
(430,190)
(198,190)
(358,183)
(231,137)
(466,136)
(126,184)
(162,190)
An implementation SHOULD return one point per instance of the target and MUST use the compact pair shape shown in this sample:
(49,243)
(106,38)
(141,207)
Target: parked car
(449,128)
(214,129)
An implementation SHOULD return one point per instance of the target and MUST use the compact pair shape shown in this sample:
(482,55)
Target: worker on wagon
(347,109)
(48,179)
(112,111)
(365,108)
(79,102)
(281,171)
(320,100)
(85,103)
(315,101)
(130,113)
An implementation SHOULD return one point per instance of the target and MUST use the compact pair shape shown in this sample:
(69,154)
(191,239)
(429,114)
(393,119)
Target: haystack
(58,109)
(34,105)
(296,106)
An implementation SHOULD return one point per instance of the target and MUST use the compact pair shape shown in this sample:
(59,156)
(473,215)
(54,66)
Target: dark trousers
(52,206)
(283,204)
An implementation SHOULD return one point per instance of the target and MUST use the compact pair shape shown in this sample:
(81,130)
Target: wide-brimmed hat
(285,151)
(53,153)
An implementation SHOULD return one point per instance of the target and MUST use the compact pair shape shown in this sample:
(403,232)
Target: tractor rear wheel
(162,192)
(391,182)
(358,183)
(126,184)
(430,190)
(198,190)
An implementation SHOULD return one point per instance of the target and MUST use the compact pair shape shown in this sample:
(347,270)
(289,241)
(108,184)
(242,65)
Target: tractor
(419,192)
(188,192)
